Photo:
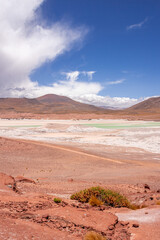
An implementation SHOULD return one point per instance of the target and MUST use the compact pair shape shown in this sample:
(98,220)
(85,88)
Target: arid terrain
(52,147)
(53,106)
(50,159)
(79,120)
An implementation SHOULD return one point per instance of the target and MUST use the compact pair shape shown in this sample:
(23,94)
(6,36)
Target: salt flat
(140,135)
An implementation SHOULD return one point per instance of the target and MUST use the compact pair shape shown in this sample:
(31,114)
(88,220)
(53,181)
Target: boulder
(7,182)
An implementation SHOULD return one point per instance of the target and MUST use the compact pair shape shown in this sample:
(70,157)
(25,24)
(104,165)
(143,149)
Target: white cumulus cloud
(73,76)
(89,74)
(26,44)
(108,102)
(71,87)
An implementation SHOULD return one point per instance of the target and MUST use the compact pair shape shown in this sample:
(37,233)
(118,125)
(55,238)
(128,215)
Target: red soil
(45,171)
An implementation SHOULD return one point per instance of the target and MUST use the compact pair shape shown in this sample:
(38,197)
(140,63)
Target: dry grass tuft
(93,201)
(93,236)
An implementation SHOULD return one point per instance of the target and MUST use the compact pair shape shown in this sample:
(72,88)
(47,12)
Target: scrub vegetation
(97,196)
(57,200)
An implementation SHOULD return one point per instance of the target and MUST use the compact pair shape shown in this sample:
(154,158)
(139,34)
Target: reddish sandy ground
(27,208)
(140,115)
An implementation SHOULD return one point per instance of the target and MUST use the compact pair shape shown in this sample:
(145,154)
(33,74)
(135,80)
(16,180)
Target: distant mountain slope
(18,104)
(62,104)
(149,104)
(48,104)
(53,98)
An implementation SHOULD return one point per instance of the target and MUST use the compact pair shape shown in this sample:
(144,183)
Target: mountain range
(47,104)
(55,104)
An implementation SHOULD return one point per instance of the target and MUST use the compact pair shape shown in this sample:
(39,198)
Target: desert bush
(93,236)
(93,201)
(57,200)
(108,197)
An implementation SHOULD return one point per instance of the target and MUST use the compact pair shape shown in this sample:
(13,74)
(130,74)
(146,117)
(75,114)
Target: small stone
(45,216)
(146,186)
(158,191)
(146,212)
(135,225)
(124,223)
(70,180)
(111,227)
(101,208)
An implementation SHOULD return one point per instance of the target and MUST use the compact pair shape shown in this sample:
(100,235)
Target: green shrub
(57,200)
(108,197)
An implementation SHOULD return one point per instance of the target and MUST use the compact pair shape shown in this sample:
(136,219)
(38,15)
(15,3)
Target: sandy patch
(141,215)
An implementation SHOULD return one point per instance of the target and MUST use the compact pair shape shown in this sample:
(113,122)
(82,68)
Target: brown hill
(149,104)
(53,98)
(18,104)
(48,104)
(61,104)
(145,110)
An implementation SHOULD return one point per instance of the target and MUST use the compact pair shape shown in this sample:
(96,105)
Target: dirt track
(56,162)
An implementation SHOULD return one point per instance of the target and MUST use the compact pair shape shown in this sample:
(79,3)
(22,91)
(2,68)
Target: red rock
(45,216)
(111,227)
(70,180)
(23,179)
(146,186)
(7,182)
(124,223)
(135,225)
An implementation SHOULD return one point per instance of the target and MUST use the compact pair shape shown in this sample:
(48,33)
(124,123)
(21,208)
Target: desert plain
(56,158)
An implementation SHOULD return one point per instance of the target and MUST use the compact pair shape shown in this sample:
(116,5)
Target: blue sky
(117,40)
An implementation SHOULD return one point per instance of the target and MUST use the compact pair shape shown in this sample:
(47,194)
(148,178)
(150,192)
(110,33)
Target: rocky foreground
(28,215)
(36,216)
(42,172)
